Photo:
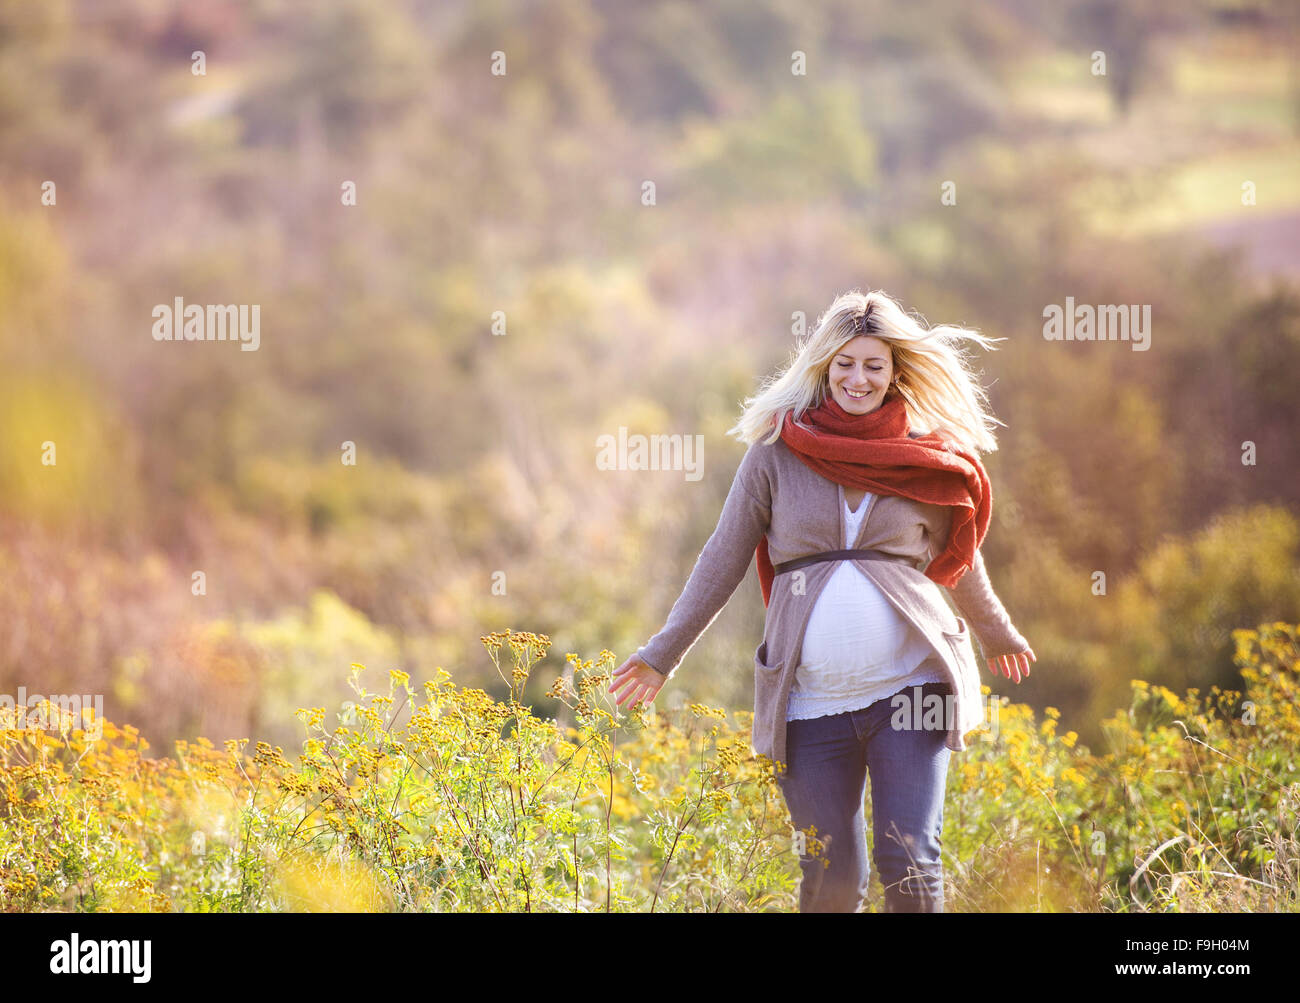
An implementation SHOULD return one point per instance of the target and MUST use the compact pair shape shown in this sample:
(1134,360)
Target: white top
(858,648)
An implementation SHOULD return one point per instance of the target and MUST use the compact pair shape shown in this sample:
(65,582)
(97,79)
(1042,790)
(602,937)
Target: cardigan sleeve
(975,600)
(979,604)
(720,567)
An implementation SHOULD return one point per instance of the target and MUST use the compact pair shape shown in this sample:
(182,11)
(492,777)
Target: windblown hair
(939,390)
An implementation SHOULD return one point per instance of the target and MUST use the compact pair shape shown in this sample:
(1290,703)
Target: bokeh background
(518,200)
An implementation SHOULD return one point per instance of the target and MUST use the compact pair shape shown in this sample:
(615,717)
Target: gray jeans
(827,762)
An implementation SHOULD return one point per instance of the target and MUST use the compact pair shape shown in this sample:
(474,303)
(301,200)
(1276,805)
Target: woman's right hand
(637,680)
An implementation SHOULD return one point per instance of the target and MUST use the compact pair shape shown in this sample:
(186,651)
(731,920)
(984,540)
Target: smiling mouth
(857,396)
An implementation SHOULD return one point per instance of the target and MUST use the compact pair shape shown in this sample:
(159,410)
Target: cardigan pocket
(769,711)
(961,643)
(761,666)
(971,712)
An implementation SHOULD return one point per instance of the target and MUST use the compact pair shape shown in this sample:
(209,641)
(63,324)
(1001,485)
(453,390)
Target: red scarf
(873,452)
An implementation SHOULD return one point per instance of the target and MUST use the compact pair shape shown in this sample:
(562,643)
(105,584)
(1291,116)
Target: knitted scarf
(873,452)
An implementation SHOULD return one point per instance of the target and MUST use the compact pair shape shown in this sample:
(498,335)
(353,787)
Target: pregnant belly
(854,631)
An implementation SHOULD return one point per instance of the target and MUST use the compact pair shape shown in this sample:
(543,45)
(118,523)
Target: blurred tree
(1125,31)
(355,68)
(1172,621)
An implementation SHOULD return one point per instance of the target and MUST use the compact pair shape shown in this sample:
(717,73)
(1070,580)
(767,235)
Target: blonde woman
(863,498)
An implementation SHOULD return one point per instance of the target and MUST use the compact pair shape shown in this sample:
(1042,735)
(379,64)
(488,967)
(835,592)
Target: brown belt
(840,555)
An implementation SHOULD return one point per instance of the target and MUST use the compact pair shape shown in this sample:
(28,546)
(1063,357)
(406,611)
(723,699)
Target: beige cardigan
(801,512)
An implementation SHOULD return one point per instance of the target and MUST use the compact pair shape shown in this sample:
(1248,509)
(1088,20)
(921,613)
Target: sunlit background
(465,276)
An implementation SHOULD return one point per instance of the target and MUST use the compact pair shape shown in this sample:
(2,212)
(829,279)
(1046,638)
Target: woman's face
(860,374)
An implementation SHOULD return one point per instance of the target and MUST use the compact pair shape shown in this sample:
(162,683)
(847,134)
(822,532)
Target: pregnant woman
(862,497)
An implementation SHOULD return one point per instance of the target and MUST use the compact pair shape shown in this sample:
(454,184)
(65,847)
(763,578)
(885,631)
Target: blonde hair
(939,390)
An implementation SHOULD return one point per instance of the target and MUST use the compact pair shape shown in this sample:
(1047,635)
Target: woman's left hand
(1013,666)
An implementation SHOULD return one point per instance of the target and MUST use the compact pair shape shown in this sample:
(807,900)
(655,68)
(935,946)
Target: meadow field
(438,798)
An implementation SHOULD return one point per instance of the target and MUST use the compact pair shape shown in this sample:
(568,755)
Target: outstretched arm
(718,571)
